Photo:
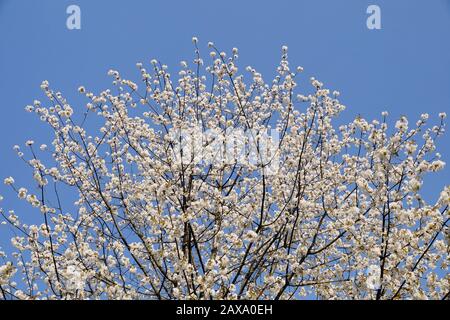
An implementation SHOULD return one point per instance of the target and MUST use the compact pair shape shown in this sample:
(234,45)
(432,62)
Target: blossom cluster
(343,200)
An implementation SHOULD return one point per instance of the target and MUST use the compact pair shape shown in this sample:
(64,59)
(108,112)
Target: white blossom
(22,193)
(8,181)
(226,185)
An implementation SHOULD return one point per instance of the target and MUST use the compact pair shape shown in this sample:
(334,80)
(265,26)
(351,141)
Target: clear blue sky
(403,68)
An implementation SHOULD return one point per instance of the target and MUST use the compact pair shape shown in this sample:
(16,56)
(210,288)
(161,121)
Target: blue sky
(403,68)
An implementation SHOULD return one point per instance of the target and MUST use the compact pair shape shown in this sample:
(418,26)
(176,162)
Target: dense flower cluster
(344,200)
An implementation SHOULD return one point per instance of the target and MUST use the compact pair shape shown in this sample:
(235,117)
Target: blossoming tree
(332,212)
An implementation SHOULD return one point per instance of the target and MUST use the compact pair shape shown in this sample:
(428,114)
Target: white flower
(402,124)
(176,292)
(415,185)
(8,181)
(33,200)
(44,85)
(383,153)
(251,235)
(437,165)
(22,193)
(75,279)
(81,89)
(445,196)
(194,40)
(6,272)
